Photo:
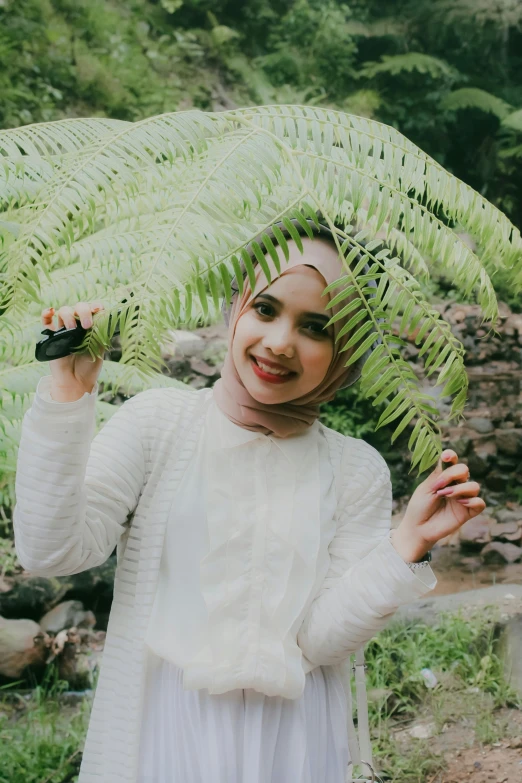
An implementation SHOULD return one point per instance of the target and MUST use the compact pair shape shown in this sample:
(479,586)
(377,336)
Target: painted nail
(445,491)
(464,501)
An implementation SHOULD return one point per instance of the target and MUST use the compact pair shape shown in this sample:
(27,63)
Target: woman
(259,555)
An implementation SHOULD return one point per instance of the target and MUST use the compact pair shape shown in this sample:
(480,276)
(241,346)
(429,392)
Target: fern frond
(502,13)
(511,152)
(377,29)
(411,61)
(159,213)
(475,98)
(514,121)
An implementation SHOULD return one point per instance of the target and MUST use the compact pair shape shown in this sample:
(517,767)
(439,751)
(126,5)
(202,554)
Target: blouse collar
(232,435)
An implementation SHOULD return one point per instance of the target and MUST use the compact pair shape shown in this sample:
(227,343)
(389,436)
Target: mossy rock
(31,597)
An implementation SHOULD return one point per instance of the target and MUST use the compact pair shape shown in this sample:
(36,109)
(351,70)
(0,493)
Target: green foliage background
(397,61)
(444,72)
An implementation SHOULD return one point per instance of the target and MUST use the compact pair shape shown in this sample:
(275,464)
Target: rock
(201,367)
(459,439)
(514,536)
(480,425)
(480,457)
(22,644)
(183,343)
(65,615)
(498,552)
(73,666)
(419,731)
(499,529)
(513,325)
(509,441)
(475,532)
(32,596)
(505,515)
(471,564)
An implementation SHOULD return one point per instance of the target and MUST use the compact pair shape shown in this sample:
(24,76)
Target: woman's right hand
(77,373)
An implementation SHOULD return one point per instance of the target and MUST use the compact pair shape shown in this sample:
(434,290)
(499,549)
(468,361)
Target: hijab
(288,418)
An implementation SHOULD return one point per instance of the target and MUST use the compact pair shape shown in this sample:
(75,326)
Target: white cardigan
(75,500)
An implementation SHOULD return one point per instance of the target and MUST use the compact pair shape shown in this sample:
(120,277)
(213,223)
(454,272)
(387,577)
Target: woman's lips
(270,377)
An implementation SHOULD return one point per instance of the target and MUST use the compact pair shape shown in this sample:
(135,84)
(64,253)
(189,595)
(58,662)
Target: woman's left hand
(436,510)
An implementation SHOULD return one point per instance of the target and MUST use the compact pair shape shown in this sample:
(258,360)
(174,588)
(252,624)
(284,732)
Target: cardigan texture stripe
(79,498)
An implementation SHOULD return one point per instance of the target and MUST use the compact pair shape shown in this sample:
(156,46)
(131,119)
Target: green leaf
(281,241)
(249,268)
(383,421)
(238,274)
(294,233)
(404,423)
(353,305)
(272,251)
(304,223)
(360,350)
(261,260)
(359,334)
(387,391)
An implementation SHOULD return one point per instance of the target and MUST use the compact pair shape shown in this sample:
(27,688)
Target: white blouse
(246,550)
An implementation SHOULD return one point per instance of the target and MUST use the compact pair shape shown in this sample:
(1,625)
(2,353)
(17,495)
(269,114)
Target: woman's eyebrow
(316,316)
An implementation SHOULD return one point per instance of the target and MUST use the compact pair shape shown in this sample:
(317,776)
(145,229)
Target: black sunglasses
(63,341)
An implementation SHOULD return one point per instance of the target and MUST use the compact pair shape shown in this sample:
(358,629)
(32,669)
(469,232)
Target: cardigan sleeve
(367,579)
(73,494)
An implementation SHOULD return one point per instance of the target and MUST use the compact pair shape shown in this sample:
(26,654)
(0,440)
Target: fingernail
(445,491)
(464,501)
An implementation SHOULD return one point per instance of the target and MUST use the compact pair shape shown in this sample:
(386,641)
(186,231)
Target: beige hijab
(285,419)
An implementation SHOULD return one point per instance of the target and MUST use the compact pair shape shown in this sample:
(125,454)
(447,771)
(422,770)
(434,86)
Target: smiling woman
(285,322)
(278,334)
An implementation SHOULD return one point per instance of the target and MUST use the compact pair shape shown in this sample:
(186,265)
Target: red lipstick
(269,377)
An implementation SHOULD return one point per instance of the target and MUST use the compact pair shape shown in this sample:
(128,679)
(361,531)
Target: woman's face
(285,324)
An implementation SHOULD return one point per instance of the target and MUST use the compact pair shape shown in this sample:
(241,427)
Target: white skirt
(242,736)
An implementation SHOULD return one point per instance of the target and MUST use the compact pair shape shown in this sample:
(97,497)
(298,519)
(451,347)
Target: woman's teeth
(271,370)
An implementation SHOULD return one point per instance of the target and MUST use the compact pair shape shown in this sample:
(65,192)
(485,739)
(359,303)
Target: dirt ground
(497,764)
(469,760)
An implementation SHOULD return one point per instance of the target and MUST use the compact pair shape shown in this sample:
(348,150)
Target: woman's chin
(267,394)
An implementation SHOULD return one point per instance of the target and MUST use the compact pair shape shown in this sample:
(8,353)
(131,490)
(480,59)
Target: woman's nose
(279,340)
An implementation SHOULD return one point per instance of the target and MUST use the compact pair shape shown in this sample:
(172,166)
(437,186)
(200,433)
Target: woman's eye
(262,305)
(317,329)
(320,329)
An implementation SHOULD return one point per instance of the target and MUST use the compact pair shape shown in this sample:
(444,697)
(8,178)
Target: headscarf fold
(289,418)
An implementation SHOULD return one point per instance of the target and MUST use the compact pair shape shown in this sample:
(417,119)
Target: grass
(460,649)
(41,739)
